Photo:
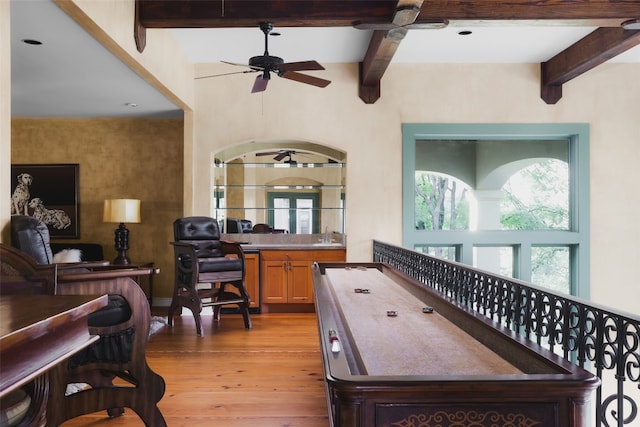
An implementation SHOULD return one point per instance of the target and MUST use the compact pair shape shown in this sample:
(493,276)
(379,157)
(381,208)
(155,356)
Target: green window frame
(576,238)
(293,198)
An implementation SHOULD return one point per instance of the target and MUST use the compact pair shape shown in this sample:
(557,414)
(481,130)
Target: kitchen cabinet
(252,278)
(286,274)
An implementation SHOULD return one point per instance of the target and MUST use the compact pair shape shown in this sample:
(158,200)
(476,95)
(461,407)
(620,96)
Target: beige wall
(606,98)
(5,116)
(118,158)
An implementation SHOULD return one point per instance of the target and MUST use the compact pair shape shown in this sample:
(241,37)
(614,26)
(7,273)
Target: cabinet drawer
(338,255)
(285,255)
(304,255)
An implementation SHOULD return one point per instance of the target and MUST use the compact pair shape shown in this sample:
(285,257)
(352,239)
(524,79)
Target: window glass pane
(445,252)
(442,202)
(494,259)
(550,267)
(537,198)
(281,213)
(304,216)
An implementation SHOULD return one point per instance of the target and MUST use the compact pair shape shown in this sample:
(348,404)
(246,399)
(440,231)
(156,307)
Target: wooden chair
(123,327)
(205,266)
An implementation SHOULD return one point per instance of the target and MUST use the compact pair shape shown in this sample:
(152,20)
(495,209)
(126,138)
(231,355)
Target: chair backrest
(31,236)
(202,231)
(235,225)
(262,228)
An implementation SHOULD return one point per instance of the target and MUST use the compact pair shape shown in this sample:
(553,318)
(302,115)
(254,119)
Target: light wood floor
(268,376)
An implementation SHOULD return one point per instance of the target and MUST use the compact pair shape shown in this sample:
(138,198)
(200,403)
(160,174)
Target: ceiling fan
(266,64)
(281,154)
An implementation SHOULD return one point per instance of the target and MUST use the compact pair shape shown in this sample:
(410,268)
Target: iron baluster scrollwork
(593,337)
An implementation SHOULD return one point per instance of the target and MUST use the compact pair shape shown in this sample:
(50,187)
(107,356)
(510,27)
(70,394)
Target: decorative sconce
(121,211)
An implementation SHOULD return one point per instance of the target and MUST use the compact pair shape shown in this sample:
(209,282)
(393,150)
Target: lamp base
(122,245)
(121,259)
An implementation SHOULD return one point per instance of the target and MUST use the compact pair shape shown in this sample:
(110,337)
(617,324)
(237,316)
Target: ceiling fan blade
(305,78)
(226,74)
(235,63)
(268,153)
(282,155)
(260,85)
(300,66)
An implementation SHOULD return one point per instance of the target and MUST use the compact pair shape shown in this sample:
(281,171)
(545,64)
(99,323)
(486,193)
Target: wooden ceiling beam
(530,10)
(249,13)
(319,13)
(587,53)
(382,48)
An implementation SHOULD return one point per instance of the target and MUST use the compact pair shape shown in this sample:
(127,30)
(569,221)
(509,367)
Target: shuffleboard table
(398,354)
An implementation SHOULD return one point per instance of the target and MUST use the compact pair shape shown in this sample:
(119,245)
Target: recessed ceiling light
(32,41)
(632,24)
(465,32)
(131,104)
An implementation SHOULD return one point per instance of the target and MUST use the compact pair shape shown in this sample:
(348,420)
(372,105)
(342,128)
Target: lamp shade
(121,210)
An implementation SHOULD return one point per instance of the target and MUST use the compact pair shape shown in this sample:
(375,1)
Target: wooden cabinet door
(299,282)
(252,278)
(274,282)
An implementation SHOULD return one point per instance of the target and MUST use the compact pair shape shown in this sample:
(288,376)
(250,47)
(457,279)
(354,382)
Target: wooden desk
(447,367)
(39,331)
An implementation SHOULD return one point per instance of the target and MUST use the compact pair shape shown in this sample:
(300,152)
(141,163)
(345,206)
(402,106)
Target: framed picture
(49,193)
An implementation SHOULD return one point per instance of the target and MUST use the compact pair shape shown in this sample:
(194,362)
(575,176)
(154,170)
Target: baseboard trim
(161,302)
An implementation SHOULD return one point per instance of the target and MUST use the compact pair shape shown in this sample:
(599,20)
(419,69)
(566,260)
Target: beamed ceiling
(391,20)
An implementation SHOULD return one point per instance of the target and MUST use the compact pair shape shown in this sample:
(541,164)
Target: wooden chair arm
(230,247)
(81,276)
(81,264)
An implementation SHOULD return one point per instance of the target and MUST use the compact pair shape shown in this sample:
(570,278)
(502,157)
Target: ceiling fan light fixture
(631,24)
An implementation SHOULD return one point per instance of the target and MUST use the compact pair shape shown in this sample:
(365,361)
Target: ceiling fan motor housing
(265,62)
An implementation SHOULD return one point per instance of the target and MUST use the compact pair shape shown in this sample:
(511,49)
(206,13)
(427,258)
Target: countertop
(292,246)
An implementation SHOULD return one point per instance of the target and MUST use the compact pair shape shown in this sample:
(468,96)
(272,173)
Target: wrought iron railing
(593,337)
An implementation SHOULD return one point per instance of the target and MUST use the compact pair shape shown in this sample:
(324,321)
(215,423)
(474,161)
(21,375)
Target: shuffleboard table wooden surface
(398,354)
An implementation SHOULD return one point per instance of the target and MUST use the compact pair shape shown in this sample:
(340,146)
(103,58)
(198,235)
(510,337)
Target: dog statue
(20,197)
(57,218)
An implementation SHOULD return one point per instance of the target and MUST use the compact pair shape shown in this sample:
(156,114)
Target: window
(294,212)
(511,199)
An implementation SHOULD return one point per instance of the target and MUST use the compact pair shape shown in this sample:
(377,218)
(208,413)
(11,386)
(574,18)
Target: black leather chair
(123,327)
(205,266)
(235,225)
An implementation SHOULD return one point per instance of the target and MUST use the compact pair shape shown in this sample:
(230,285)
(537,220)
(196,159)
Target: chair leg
(187,299)
(244,307)
(174,306)
(245,314)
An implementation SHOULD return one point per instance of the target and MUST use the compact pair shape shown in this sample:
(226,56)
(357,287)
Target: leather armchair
(31,236)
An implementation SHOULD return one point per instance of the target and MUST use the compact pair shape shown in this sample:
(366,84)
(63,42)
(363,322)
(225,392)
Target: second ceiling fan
(281,154)
(266,64)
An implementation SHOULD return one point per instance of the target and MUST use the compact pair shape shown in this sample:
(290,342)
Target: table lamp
(121,211)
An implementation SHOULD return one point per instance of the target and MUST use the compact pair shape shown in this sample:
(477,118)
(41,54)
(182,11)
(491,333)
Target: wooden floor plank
(269,376)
